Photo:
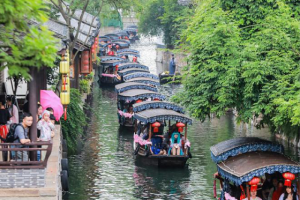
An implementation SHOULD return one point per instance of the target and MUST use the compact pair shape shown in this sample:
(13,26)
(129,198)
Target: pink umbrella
(50,99)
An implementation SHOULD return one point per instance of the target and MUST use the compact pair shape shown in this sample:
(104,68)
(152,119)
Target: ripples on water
(106,169)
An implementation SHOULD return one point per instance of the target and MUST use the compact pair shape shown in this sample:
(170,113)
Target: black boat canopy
(153,115)
(140,74)
(128,54)
(128,50)
(145,105)
(233,147)
(243,167)
(111,60)
(129,65)
(134,85)
(112,36)
(135,94)
(145,80)
(120,40)
(132,70)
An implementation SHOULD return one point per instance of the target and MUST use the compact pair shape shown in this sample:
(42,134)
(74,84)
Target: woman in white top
(289,194)
(253,196)
(13,111)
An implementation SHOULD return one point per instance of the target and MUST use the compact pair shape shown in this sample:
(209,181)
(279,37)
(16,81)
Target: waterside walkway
(49,177)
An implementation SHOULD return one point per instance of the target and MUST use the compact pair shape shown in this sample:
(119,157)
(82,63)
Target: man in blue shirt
(172,65)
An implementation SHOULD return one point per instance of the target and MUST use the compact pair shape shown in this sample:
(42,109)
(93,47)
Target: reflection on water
(106,169)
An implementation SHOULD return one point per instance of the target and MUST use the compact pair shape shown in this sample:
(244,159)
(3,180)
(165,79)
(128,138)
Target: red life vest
(111,53)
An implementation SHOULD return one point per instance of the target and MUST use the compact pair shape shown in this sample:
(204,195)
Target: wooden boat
(145,80)
(122,87)
(167,78)
(151,144)
(241,162)
(108,70)
(127,97)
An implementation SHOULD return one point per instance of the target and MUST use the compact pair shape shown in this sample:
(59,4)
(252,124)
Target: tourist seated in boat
(175,145)
(110,52)
(277,189)
(289,194)
(267,186)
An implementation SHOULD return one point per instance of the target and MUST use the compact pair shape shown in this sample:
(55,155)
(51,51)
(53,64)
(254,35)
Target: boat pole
(150,132)
(248,192)
(185,134)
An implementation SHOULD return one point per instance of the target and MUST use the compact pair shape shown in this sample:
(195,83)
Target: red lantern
(254,183)
(117,47)
(289,177)
(180,126)
(156,99)
(85,63)
(138,101)
(117,68)
(155,125)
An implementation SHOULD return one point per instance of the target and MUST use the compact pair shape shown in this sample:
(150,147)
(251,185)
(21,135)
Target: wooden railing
(32,149)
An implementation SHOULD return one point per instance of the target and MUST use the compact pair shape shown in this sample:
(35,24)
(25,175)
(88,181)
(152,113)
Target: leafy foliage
(250,65)
(73,127)
(164,16)
(25,43)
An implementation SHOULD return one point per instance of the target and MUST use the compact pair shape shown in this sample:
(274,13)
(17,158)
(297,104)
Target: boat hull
(163,160)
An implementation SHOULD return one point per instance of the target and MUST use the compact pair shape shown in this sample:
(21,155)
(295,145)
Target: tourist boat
(122,87)
(108,69)
(241,162)
(132,31)
(129,67)
(167,78)
(127,98)
(131,76)
(123,35)
(112,36)
(151,144)
(146,80)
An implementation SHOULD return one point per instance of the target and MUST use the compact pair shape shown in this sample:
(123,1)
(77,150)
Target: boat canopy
(240,145)
(153,115)
(122,33)
(145,105)
(110,60)
(135,94)
(130,29)
(121,44)
(128,54)
(129,65)
(104,38)
(243,167)
(132,26)
(134,85)
(121,40)
(128,50)
(145,80)
(112,36)
(131,70)
(140,74)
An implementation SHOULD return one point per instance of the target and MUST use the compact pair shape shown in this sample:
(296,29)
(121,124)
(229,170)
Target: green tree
(164,17)
(25,44)
(252,66)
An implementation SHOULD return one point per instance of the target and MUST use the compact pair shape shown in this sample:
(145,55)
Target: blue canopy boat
(151,143)
(108,69)
(242,161)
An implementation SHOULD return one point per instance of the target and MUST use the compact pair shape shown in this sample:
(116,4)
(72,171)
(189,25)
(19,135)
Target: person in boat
(175,144)
(110,51)
(267,186)
(289,194)
(253,196)
(277,189)
(134,59)
(172,65)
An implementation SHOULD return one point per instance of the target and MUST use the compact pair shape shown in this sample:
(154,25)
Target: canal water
(106,169)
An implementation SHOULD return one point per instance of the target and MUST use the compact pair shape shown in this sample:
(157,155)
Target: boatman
(172,65)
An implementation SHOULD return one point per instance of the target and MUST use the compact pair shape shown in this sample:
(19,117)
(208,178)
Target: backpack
(10,138)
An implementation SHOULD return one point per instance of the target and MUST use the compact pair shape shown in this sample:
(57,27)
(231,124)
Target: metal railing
(14,155)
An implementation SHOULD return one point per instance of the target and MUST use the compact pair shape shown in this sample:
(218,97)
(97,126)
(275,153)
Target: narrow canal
(106,169)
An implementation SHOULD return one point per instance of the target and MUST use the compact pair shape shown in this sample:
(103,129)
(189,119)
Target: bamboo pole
(248,192)
(150,132)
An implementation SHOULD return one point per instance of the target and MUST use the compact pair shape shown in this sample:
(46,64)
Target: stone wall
(163,57)
(22,178)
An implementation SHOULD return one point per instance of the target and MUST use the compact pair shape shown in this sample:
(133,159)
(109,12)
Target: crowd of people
(15,130)
(273,187)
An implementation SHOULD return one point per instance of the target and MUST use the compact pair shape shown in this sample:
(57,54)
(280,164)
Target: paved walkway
(52,189)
